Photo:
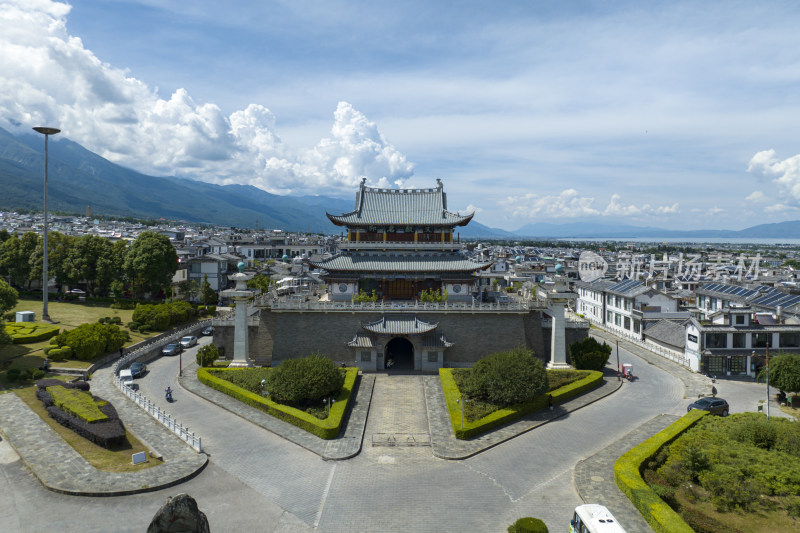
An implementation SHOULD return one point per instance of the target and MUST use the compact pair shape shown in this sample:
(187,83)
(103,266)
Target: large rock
(179,515)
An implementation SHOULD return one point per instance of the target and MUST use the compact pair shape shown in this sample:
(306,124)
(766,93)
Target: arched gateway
(411,343)
(400,351)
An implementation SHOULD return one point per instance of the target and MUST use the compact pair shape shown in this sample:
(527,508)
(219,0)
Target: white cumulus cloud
(786,172)
(567,204)
(48,77)
(756,197)
(615,208)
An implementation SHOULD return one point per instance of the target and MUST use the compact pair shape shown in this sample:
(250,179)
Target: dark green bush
(115,320)
(133,325)
(206,355)
(160,317)
(13,374)
(589,354)
(211,309)
(305,381)
(528,525)
(37,373)
(88,341)
(60,354)
(506,378)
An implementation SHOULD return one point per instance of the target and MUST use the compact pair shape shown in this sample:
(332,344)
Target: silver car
(188,341)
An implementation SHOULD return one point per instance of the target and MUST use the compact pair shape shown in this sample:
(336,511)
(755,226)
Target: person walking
(550,401)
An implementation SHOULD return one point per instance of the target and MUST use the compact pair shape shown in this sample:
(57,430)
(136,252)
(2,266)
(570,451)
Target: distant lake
(692,240)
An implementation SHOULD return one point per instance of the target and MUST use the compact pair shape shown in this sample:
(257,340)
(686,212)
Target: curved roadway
(258,481)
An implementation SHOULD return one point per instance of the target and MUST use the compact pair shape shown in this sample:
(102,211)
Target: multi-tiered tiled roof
(400,207)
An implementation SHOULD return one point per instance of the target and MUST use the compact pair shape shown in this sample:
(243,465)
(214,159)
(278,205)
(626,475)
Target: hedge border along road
(296,417)
(512,412)
(628,475)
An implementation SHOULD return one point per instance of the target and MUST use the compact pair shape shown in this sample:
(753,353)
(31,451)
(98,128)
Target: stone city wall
(285,335)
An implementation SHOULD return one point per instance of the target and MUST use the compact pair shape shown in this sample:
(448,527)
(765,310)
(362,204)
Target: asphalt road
(258,481)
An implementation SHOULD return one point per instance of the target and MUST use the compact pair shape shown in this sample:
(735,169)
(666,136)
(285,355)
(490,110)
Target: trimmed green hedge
(293,416)
(512,412)
(627,473)
(30,332)
(78,403)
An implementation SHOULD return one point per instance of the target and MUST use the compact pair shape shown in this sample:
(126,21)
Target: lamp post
(618,376)
(47,132)
(767,381)
(462,401)
(330,400)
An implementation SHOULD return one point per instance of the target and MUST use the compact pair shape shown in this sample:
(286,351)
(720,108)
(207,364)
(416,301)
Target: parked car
(127,379)
(208,331)
(715,406)
(172,348)
(138,369)
(188,341)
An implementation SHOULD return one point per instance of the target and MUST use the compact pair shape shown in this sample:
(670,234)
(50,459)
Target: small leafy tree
(207,354)
(784,372)
(8,299)
(363,297)
(589,354)
(506,378)
(207,295)
(261,282)
(432,296)
(305,381)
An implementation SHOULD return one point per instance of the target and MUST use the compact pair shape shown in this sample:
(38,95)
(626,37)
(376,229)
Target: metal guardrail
(142,401)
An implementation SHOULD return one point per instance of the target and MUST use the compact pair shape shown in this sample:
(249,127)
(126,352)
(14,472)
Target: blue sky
(674,114)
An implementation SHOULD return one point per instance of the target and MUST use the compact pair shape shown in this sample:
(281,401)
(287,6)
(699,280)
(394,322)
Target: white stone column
(557,295)
(241,339)
(240,295)
(558,343)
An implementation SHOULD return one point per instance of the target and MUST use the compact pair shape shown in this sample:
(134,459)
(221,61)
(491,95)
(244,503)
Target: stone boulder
(179,515)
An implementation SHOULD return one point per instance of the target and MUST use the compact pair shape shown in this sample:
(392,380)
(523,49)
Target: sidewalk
(443,441)
(594,477)
(447,446)
(344,446)
(61,469)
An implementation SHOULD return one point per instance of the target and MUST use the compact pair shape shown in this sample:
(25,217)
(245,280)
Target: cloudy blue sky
(675,114)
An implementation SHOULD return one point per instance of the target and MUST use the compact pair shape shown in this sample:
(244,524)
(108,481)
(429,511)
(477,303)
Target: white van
(127,379)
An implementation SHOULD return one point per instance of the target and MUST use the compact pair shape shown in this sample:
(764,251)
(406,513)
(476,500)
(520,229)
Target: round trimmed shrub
(305,381)
(37,373)
(589,354)
(207,354)
(528,525)
(160,321)
(13,374)
(506,378)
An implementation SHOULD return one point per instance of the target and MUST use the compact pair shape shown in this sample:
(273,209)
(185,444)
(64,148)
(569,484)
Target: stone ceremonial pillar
(557,296)
(240,295)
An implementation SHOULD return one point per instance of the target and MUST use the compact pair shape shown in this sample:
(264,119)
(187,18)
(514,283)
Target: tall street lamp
(47,132)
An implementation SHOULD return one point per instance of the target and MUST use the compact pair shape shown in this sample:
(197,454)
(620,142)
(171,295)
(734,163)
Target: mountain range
(78,178)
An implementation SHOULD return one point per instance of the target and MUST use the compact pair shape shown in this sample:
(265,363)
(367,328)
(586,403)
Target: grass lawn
(116,459)
(69,315)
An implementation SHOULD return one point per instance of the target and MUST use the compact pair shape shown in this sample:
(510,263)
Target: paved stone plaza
(258,480)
